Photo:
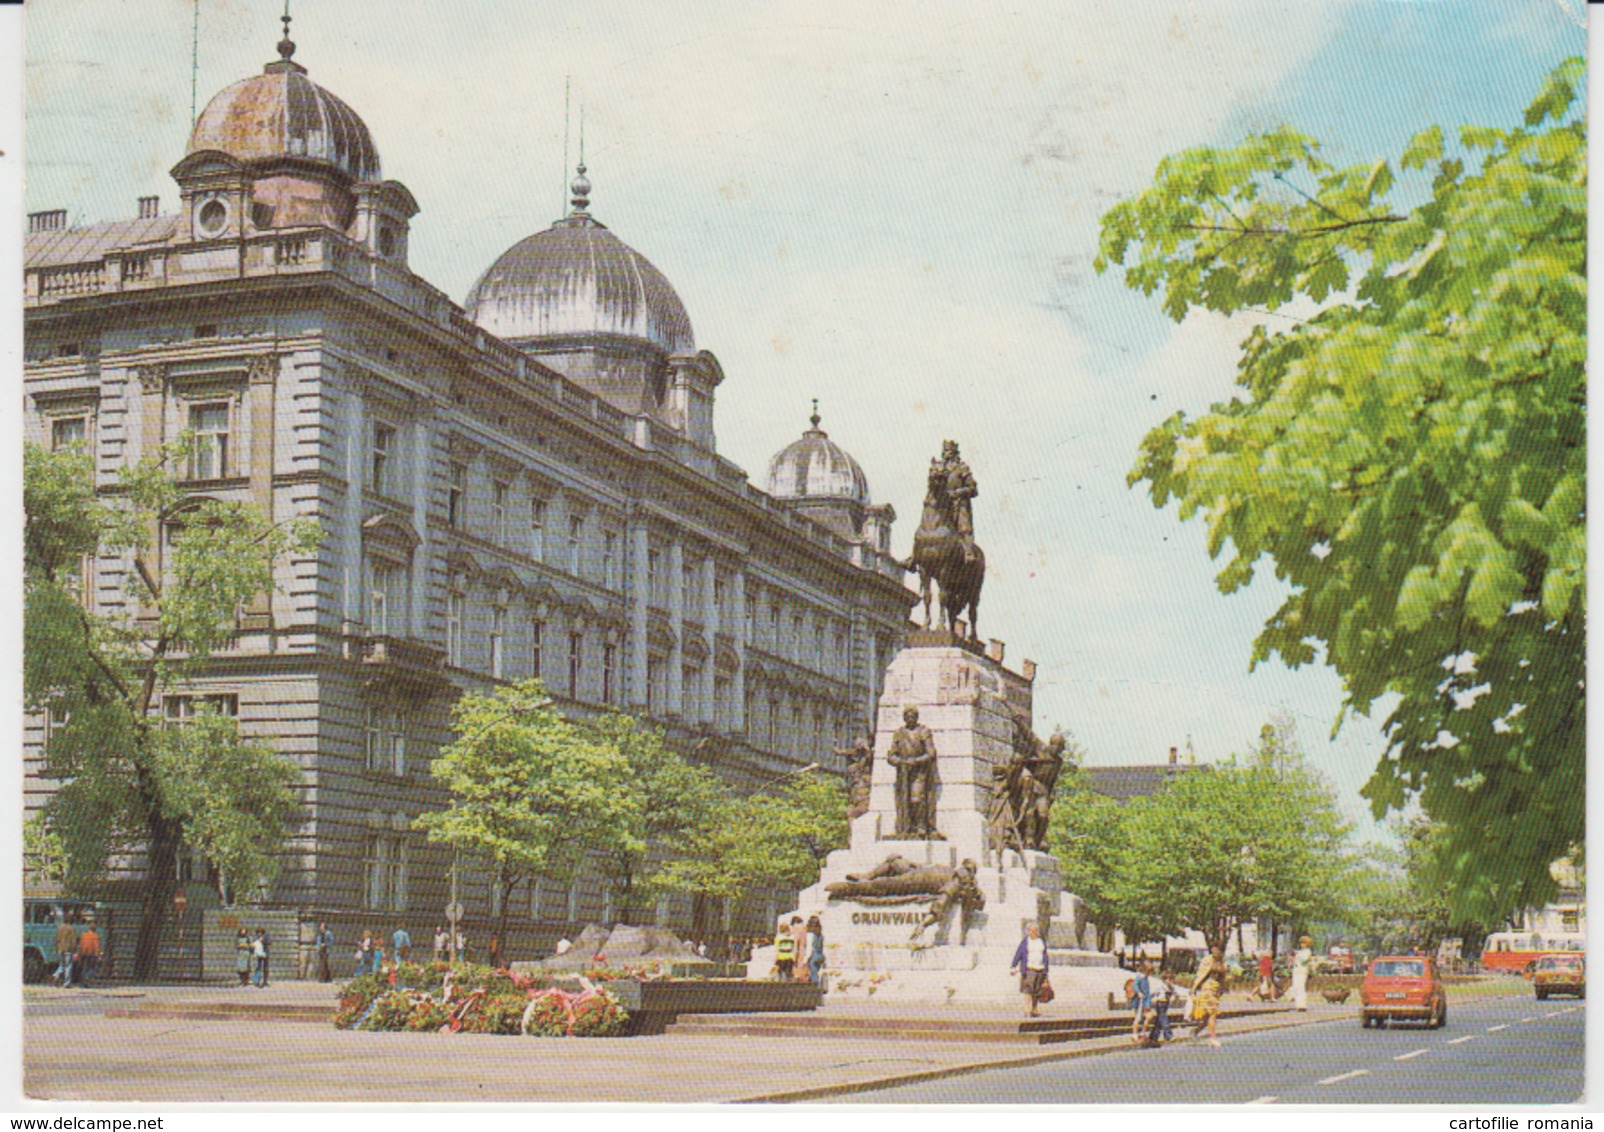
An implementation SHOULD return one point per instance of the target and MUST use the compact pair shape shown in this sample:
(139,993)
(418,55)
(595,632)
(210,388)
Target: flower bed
(467,998)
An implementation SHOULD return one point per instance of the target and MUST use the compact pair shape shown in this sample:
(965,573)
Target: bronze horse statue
(938,555)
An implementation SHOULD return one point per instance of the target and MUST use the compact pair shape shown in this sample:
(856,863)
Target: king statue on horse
(944,549)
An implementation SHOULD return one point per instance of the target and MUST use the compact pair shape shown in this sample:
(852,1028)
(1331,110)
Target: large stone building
(526,485)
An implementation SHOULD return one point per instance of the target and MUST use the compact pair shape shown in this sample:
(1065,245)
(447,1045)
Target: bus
(1516,951)
(40,918)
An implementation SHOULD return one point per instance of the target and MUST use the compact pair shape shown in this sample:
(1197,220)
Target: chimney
(149,207)
(1175,756)
(52,221)
(994,650)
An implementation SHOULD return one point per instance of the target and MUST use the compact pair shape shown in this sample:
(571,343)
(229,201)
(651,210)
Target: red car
(1403,988)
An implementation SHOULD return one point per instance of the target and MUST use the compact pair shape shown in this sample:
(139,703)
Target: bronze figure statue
(896,876)
(961,890)
(860,773)
(913,753)
(1022,791)
(944,550)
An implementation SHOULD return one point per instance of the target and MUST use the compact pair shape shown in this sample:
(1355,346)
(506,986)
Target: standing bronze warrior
(860,773)
(913,753)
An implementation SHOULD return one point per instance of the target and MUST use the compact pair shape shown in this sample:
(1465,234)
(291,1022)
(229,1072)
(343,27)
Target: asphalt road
(1511,1050)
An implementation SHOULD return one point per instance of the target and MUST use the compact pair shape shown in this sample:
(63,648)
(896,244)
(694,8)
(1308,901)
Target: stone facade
(490,513)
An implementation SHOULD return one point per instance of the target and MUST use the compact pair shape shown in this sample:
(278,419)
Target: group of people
(252,950)
(1268,990)
(799,950)
(77,952)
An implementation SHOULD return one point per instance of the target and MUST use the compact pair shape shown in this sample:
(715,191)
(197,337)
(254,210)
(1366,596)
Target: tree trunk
(161,879)
(506,909)
(1240,949)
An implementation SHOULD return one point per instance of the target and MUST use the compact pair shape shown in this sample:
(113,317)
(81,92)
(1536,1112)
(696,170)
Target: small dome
(578,279)
(815,467)
(282,113)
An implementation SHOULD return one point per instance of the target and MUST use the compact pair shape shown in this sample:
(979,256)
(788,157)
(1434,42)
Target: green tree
(529,791)
(678,803)
(764,840)
(1410,458)
(129,783)
(1227,845)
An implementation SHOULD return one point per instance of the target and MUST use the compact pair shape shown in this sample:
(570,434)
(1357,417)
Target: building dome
(814,467)
(577,279)
(281,113)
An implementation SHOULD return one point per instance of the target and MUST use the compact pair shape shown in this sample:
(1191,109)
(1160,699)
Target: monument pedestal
(969,703)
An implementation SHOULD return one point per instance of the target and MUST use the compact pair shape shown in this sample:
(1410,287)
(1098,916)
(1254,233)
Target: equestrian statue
(944,549)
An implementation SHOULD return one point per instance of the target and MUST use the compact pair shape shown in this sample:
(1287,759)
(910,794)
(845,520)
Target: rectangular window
(654,577)
(609,672)
(687,586)
(576,533)
(379,598)
(209,459)
(383,447)
(537,633)
(751,624)
(796,638)
(498,634)
(691,693)
(576,644)
(457,497)
(454,603)
(498,512)
(774,724)
(385,745)
(537,892)
(68,432)
(537,529)
(774,629)
(181,709)
(610,559)
(384,867)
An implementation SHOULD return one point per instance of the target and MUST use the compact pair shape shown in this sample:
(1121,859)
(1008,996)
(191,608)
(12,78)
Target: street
(1511,1050)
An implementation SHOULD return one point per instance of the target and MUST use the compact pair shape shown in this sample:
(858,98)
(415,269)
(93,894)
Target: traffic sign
(180,901)
(453,912)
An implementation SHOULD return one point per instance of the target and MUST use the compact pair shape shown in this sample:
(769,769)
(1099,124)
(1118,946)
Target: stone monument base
(969,702)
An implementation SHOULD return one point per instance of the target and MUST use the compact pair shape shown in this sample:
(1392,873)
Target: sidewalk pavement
(89,1057)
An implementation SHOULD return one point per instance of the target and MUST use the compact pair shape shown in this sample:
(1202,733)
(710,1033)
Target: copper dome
(282,113)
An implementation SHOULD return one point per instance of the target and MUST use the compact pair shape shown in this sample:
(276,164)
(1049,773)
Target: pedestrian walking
(1030,960)
(1142,991)
(325,947)
(799,936)
(243,956)
(66,949)
(364,955)
(815,950)
(784,952)
(1301,962)
(88,955)
(1163,1003)
(442,944)
(1206,991)
(495,950)
(1265,991)
(259,956)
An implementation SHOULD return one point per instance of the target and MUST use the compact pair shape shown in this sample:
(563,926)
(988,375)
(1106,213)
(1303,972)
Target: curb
(821,1092)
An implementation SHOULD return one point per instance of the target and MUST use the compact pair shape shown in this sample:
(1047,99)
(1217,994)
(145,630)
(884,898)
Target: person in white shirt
(1031,963)
(1301,962)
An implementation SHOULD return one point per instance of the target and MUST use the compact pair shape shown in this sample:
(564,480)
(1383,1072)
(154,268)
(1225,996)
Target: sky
(890,207)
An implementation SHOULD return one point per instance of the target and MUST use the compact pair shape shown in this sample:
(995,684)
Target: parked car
(1560,974)
(1403,988)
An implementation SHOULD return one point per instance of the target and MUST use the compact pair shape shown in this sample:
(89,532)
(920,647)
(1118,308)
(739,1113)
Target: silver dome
(815,467)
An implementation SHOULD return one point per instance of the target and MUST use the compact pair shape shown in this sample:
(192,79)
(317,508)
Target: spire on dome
(286,48)
(814,419)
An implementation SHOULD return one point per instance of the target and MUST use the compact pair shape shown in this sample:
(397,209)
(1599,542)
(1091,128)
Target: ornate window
(498,637)
(537,633)
(610,559)
(576,646)
(383,450)
(576,535)
(209,459)
(385,741)
(69,432)
(537,529)
(455,600)
(609,672)
(498,511)
(457,497)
